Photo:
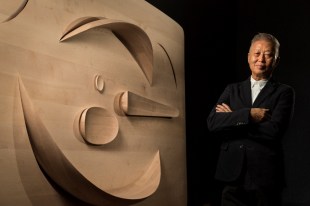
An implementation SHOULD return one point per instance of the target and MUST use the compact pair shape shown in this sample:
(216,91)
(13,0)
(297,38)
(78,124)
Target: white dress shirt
(256,87)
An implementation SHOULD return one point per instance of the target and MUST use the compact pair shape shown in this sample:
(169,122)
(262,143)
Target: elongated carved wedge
(98,126)
(133,37)
(77,23)
(128,103)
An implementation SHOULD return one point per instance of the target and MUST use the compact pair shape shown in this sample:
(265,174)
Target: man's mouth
(260,66)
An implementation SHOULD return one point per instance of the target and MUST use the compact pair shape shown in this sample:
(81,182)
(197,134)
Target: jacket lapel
(266,91)
(245,93)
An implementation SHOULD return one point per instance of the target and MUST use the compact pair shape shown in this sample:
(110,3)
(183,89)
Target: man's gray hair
(270,38)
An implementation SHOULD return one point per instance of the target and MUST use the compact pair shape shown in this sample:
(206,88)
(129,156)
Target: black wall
(217,38)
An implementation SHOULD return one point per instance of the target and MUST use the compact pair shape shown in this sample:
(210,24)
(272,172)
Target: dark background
(217,38)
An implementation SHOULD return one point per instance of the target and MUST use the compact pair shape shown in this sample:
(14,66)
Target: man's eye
(268,55)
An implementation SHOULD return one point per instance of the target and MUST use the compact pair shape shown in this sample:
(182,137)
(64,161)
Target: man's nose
(261,57)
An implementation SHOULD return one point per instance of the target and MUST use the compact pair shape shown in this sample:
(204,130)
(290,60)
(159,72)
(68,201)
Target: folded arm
(259,123)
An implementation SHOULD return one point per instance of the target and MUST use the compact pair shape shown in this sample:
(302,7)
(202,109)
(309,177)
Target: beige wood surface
(84,87)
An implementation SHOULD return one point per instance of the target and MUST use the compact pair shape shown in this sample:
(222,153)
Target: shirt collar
(261,83)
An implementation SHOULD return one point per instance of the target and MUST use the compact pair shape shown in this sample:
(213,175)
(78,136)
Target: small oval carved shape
(99,83)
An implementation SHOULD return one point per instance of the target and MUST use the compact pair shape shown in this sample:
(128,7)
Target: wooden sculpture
(92,104)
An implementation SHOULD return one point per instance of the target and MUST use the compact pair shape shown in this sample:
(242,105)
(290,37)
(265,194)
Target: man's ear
(249,57)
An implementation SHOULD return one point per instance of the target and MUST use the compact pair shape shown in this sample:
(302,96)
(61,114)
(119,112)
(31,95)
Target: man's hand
(222,108)
(259,114)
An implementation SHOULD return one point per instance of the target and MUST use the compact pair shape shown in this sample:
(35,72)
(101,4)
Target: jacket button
(241,146)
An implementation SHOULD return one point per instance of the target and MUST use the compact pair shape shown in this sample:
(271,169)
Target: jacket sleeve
(281,116)
(223,121)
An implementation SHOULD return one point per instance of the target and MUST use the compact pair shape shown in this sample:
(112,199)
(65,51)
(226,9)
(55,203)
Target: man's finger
(226,107)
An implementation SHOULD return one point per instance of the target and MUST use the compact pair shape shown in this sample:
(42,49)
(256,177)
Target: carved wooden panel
(92,106)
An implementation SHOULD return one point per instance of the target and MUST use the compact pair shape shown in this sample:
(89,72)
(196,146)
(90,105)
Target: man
(251,117)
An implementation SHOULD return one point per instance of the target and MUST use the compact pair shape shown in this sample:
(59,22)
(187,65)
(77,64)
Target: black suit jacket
(252,147)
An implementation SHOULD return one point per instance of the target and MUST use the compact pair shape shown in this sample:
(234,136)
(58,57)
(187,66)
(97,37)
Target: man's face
(262,59)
